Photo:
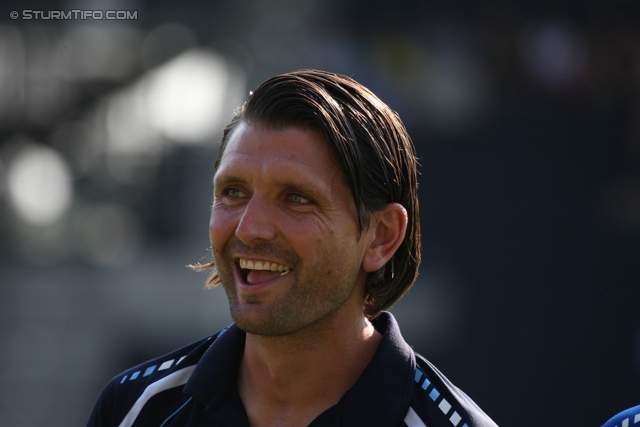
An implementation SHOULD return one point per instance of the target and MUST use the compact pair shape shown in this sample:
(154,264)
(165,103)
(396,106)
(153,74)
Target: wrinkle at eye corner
(326,222)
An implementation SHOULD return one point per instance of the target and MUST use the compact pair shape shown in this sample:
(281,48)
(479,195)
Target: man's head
(370,147)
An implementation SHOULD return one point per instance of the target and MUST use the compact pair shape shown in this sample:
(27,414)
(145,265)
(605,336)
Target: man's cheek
(221,228)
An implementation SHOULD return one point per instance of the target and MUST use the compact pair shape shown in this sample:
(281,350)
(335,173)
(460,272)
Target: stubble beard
(319,290)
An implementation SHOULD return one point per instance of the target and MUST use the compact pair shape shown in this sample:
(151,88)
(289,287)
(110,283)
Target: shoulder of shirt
(435,397)
(125,388)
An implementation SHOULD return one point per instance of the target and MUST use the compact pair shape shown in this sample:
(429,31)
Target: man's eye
(234,193)
(297,198)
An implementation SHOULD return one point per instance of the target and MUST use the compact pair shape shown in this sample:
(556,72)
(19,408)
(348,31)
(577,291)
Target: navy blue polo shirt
(197,386)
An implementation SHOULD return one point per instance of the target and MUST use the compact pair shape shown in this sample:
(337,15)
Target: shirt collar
(217,370)
(380,396)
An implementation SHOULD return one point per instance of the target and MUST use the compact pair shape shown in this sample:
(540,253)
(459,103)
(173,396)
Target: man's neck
(290,380)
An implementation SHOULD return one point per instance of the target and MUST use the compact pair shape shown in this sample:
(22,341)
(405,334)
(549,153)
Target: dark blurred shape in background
(526,117)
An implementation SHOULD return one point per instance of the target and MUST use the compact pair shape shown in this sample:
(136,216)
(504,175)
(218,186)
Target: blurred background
(526,117)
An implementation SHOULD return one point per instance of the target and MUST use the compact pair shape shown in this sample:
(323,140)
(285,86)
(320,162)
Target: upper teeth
(262,265)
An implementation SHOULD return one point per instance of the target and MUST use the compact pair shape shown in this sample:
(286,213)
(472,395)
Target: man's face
(283,230)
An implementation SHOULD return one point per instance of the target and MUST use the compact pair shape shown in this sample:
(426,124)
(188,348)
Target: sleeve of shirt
(121,393)
(436,402)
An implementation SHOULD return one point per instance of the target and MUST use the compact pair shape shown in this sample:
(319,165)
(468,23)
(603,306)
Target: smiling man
(315,233)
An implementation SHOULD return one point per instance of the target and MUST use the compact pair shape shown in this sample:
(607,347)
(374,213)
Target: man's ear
(387,230)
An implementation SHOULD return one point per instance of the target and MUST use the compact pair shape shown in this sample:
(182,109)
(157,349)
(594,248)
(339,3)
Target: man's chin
(306,324)
(255,321)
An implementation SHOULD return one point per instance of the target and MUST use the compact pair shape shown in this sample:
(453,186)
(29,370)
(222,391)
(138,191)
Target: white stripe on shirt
(413,420)
(175,379)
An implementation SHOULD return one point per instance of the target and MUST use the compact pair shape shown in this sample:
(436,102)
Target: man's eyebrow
(316,191)
(223,178)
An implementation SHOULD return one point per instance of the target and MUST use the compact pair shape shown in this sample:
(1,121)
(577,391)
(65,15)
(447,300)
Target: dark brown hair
(371,146)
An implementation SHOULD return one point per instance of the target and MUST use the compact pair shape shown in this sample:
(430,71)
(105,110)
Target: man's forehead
(313,160)
(243,128)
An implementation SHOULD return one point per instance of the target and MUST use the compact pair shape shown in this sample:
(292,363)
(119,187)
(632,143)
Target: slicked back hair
(370,145)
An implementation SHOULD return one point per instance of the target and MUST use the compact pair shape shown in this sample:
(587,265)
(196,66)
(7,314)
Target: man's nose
(257,220)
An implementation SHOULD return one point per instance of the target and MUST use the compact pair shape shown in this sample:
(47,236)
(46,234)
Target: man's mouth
(254,272)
